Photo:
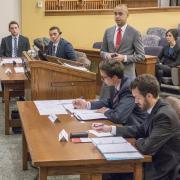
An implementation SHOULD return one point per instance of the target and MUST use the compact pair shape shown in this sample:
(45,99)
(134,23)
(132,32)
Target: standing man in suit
(15,44)
(123,43)
(158,136)
(120,107)
(58,46)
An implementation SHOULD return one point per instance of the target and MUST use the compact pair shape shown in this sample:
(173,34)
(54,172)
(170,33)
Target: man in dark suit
(158,136)
(120,107)
(58,46)
(15,44)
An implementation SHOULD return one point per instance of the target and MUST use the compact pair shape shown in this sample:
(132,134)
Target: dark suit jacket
(65,50)
(6,46)
(124,109)
(171,60)
(158,136)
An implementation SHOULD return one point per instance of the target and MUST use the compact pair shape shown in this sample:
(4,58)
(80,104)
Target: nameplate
(8,71)
(63,136)
(53,118)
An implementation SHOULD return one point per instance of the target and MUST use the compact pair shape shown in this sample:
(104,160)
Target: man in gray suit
(122,42)
(158,136)
(15,44)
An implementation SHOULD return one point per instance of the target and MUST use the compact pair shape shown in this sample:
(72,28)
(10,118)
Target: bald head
(121,14)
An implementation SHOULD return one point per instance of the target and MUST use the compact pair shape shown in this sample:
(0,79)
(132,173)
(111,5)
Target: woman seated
(170,56)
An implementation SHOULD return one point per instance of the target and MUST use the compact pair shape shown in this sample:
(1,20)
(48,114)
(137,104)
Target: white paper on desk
(116,148)
(19,69)
(76,67)
(108,140)
(48,107)
(123,156)
(100,134)
(10,60)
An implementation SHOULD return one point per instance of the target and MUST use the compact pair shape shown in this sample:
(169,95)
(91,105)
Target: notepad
(108,140)
(19,69)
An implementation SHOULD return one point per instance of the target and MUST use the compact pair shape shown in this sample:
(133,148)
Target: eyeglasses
(53,34)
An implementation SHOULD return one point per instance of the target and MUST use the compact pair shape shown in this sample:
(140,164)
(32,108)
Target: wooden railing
(56,7)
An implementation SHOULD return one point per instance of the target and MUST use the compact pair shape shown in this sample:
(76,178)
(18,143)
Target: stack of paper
(76,67)
(11,60)
(116,148)
(84,114)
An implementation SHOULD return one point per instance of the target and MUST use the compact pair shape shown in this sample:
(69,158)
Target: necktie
(15,47)
(54,50)
(118,38)
(115,98)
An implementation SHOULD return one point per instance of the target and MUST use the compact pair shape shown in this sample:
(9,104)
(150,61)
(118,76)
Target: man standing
(158,136)
(120,107)
(15,44)
(122,42)
(58,46)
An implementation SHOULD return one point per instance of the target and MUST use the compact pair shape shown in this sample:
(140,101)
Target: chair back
(150,40)
(42,43)
(97,45)
(158,31)
(153,51)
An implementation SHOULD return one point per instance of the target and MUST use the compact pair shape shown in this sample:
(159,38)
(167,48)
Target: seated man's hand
(102,110)
(109,56)
(80,104)
(101,127)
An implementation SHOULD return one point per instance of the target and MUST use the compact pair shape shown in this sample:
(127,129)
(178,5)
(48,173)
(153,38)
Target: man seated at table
(58,46)
(120,107)
(15,44)
(158,136)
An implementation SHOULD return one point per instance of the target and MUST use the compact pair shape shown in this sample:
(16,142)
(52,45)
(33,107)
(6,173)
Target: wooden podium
(50,80)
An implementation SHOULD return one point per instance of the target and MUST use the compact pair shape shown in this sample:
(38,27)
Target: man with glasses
(15,44)
(58,46)
(158,136)
(120,107)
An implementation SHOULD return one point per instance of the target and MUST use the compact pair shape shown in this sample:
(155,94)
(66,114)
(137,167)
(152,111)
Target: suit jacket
(159,136)
(131,45)
(124,109)
(6,46)
(171,60)
(65,50)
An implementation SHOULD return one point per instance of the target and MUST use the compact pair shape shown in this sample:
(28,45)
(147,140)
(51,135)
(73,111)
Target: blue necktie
(54,50)
(15,47)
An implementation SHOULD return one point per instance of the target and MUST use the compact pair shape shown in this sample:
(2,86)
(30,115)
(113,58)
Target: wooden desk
(147,66)
(13,85)
(52,157)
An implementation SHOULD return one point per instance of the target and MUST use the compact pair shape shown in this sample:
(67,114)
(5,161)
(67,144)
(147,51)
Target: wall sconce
(39,4)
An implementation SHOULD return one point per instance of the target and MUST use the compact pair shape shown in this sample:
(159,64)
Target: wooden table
(13,85)
(40,138)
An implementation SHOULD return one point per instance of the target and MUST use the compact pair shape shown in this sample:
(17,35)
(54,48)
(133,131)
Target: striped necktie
(15,47)
(54,50)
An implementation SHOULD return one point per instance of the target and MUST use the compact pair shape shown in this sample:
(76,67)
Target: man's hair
(13,22)
(174,32)
(124,7)
(146,83)
(55,28)
(112,68)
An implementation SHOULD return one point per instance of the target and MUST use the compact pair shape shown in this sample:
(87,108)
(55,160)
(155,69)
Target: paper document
(10,60)
(108,140)
(84,114)
(100,134)
(123,156)
(19,69)
(116,148)
(48,107)
(76,67)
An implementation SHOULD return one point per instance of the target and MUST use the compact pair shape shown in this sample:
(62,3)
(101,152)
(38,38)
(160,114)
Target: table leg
(91,177)
(6,109)
(138,171)
(24,152)
(42,173)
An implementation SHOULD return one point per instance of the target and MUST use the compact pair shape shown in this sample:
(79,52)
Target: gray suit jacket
(131,45)
(6,46)
(158,136)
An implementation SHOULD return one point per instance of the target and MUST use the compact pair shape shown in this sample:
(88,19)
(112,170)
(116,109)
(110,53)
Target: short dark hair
(112,68)
(55,28)
(146,83)
(13,22)
(174,32)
